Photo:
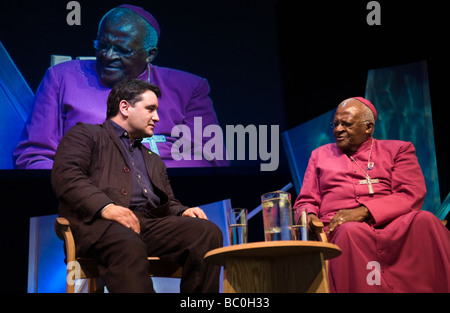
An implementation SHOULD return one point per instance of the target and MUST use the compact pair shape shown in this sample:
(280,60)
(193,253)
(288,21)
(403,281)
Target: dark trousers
(122,253)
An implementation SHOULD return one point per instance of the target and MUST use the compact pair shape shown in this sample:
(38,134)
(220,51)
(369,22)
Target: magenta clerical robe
(403,249)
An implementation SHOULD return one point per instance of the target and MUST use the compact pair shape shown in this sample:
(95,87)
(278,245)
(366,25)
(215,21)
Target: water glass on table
(277,215)
(300,226)
(237,225)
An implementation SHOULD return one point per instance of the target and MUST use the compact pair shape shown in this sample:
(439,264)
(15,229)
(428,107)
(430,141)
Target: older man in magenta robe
(369,194)
(76,91)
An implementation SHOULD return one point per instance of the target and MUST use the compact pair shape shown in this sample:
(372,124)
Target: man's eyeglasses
(120,51)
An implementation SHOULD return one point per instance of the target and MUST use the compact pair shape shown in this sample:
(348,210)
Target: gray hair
(367,114)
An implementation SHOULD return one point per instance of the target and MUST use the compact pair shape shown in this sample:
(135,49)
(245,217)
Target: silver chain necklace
(370,165)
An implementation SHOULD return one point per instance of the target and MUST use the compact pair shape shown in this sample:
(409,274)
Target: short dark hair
(130,90)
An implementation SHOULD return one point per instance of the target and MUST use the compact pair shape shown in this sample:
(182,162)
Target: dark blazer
(90,171)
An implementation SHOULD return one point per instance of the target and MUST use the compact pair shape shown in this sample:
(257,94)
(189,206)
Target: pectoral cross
(369,183)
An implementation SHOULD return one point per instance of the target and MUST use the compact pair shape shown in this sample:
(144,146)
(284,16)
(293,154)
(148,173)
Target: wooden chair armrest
(61,226)
(317,227)
(62,221)
(316,224)
(63,231)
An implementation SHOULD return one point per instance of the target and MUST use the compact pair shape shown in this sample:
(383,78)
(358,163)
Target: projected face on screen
(121,47)
(76,91)
(197,88)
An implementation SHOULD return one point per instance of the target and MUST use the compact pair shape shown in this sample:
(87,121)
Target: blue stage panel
(16,102)
(300,141)
(401,95)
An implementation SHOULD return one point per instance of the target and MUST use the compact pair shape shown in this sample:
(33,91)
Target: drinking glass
(277,215)
(237,225)
(300,226)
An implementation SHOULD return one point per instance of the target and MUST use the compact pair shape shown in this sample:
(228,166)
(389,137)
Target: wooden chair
(317,229)
(88,269)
